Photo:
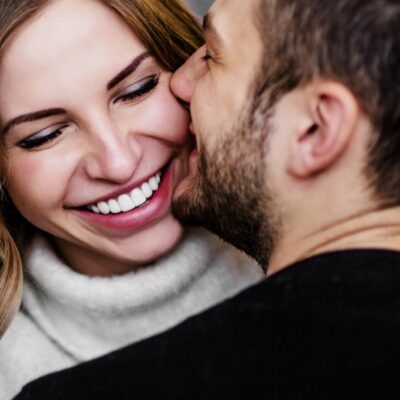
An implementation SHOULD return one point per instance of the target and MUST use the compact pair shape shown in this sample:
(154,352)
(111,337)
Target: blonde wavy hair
(10,278)
(165,27)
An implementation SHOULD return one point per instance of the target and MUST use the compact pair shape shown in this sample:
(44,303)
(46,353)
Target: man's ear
(333,114)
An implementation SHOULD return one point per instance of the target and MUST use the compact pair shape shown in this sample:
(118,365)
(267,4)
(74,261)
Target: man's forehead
(232,33)
(230,15)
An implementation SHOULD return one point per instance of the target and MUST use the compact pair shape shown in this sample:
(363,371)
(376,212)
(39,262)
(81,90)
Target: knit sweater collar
(89,316)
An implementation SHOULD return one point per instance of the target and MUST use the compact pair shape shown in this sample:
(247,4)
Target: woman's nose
(113,156)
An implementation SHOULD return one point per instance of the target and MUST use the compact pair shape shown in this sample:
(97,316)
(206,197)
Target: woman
(95,146)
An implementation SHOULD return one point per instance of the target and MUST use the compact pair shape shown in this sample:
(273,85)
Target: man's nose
(184,80)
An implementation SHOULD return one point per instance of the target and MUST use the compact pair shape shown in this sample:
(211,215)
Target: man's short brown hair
(355,42)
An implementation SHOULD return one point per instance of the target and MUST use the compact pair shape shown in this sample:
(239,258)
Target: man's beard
(229,195)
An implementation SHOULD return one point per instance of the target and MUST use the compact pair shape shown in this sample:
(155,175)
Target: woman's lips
(143,186)
(128,199)
(154,208)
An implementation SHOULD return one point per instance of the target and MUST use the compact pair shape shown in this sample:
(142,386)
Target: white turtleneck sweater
(67,318)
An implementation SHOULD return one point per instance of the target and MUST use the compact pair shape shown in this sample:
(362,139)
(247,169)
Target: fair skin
(111,134)
(314,165)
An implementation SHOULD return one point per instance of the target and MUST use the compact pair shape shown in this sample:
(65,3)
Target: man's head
(290,100)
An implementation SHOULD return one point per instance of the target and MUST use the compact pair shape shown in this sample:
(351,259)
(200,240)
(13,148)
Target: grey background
(200,7)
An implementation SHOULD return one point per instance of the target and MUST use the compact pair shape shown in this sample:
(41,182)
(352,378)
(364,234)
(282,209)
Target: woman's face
(96,142)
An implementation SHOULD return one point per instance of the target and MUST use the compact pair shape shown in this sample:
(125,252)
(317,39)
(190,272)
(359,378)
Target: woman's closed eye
(42,137)
(138,89)
(131,93)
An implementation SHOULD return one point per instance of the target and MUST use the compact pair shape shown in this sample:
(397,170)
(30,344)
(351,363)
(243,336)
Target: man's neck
(378,229)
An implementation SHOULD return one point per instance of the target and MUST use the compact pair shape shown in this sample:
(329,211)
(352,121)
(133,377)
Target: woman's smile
(131,209)
(129,199)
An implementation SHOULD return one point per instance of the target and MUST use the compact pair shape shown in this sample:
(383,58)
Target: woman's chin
(155,244)
(118,256)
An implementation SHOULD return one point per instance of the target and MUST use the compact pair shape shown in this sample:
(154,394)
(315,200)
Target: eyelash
(150,83)
(206,57)
(36,142)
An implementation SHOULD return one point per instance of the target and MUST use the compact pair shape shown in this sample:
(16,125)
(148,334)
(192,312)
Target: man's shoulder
(344,270)
(364,277)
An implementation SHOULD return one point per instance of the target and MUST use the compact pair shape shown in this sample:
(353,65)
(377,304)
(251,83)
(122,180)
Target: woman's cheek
(37,182)
(176,116)
(163,117)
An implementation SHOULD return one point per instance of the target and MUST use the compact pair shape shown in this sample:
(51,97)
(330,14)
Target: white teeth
(114,206)
(138,197)
(126,203)
(153,183)
(147,190)
(103,207)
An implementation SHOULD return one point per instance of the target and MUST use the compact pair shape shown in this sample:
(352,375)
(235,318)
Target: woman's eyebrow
(128,70)
(31,117)
(56,111)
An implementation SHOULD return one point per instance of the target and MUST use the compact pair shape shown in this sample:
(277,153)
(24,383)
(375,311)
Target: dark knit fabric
(326,327)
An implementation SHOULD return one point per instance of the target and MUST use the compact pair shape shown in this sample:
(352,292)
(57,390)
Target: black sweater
(326,327)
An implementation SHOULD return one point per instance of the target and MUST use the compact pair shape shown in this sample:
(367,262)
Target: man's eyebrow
(31,117)
(128,70)
(210,30)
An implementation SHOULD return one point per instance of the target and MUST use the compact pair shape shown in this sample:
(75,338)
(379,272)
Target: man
(296,113)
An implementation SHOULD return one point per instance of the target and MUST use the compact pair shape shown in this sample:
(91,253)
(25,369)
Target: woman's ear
(333,115)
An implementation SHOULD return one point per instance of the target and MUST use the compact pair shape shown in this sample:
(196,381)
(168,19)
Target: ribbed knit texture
(68,317)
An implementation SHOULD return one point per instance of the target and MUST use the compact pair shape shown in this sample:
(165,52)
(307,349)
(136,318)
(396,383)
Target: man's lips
(192,143)
(191,128)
